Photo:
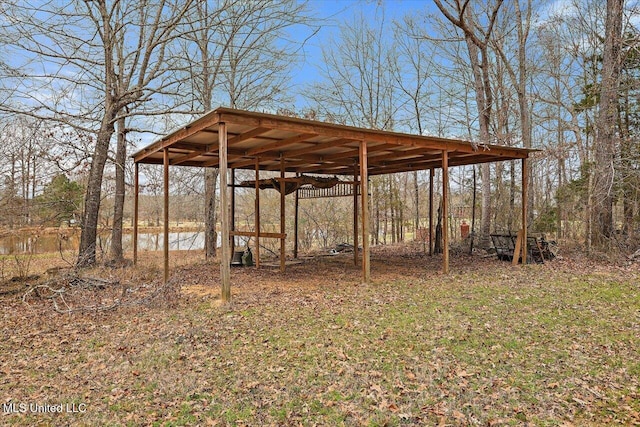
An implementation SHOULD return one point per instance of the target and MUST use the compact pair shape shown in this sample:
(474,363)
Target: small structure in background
(464,229)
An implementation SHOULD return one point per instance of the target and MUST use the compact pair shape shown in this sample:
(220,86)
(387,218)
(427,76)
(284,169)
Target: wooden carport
(232,139)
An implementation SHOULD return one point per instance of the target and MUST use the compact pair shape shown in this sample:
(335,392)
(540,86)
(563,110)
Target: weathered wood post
(136,191)
(445,212)
(225,258)
(364,189)
(165,162)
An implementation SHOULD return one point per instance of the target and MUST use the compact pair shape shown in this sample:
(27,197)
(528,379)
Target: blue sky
(341,12)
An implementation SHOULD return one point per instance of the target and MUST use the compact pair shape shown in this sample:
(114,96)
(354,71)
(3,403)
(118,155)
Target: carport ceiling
(308,146)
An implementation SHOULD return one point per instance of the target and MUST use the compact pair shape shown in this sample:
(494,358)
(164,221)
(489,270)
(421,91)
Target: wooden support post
(233,213)
(364,190)
(431,175)
(295,225)
(136,191)
(518,249)
(166,213)
(525,190)
(282,216)
(445,212)
(225,257)
(256,224)
(355,214)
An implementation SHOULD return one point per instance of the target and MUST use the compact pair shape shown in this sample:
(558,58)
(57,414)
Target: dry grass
(489,344)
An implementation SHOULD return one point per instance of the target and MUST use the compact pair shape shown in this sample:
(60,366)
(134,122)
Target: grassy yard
(489,344)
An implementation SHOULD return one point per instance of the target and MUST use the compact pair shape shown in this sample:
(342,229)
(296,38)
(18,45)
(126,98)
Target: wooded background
(84,83)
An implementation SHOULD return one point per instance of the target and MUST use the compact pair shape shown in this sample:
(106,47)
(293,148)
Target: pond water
(21,243)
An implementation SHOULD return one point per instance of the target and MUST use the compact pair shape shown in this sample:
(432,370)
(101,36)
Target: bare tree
(413,73)
(358,88)
(477,39)
(557,116)
(25,149)
(357,85)
(115,248)
(629,177)
(95,62)
(243,61)
(607,142)
(519,70)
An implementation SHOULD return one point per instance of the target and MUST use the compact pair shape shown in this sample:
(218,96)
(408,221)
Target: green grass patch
(526,345)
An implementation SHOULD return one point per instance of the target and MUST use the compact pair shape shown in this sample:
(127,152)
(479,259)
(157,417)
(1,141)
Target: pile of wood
(539,249)
(634,256)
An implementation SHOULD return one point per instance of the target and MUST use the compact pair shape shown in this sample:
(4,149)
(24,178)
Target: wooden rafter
(194,154)
(279,144)
(247,135)
(335,149)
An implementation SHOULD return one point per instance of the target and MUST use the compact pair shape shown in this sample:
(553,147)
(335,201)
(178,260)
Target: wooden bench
(505,245)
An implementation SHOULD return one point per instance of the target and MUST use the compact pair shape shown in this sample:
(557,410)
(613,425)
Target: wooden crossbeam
(279,144)
(353,154)
(328,166)
(185,132)
(403,155)
(261,234)
(318,147)
(247,135)
(194,154)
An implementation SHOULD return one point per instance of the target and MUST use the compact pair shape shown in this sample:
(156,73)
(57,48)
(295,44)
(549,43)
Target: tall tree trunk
(484,101)
(89,224)
(211,237)
(92,199)
(115,250)
(561,175)
(606,140)
(626,165)
(628,188)
(12,191)
(521,89)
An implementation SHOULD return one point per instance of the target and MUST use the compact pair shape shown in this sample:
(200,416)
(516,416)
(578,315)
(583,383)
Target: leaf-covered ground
(488,344)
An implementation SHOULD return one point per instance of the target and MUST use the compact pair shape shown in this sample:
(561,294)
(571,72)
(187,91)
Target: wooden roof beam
(318,147)
(341,131)
(187,131)
(279,144)
(302,163)
(428,164)
(323,170)
(328,167)
(403,154)
(194,154)
(299,158)
(353,154)
(404,161)
(231,154)
(248,135)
